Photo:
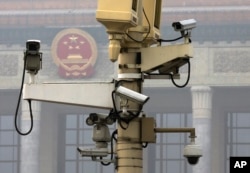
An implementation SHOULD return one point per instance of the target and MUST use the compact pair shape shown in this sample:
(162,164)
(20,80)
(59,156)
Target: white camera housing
(184,25)
(93,152)
(192,152)
(131,95)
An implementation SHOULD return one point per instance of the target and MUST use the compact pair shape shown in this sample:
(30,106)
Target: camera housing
(117,17)
(93,152)
(192,152)
(101,137)
(152,20)
(184,25)
(131,95)
(32,56)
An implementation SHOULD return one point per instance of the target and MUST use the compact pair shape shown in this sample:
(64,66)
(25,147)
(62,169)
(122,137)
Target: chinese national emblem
(74,52)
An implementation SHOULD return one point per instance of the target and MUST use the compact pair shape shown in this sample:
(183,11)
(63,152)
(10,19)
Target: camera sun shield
(33,57)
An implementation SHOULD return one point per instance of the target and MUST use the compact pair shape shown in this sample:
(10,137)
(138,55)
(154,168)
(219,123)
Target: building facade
(215,102)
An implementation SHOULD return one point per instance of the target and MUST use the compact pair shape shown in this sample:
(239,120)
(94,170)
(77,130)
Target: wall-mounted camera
(32,56)
(184,25)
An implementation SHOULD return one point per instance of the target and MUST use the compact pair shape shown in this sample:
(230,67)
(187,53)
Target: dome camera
(192,153)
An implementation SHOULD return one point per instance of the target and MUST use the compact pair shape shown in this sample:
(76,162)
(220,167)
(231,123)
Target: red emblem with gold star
(75,52)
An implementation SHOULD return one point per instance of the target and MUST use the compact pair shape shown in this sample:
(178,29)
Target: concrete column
(29,156)
(202,112)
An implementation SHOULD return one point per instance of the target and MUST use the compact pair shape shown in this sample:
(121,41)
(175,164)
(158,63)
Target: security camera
(131,95)
(32,56)
(184,25)
(95,118)
(192,152)
(93,152)
(117,17)
(33,46)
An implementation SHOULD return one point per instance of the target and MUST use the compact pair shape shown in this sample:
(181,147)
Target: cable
(188,77)
(112,149)
(149,28)
(175,39)
(171,40)
(18,104)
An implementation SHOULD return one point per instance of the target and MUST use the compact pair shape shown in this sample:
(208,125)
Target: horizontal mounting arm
(167,57)
(177,130)
(96,95)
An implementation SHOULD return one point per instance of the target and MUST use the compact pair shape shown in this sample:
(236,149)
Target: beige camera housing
(117,16)
(152,9)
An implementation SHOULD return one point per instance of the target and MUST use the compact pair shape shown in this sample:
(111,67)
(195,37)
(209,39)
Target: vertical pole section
(129,148)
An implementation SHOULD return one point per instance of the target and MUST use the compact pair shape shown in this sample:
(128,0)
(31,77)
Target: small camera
(33,46)
(184,25)
(192,152)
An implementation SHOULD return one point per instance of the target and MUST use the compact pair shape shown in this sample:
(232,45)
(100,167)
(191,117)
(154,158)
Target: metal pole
(129,147)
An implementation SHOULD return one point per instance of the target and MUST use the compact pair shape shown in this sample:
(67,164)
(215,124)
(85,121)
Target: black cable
(188,77)
(112,144)
(117,114)
(175,39)
(111,147)
(149,28)
(18,104)
(171,40)
(113,100)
